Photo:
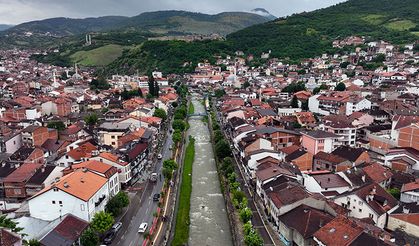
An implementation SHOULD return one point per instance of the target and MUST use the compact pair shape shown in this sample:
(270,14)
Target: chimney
(405,210)
(363,178)
(66,185)
(321,223)
(271,189)
(82,180)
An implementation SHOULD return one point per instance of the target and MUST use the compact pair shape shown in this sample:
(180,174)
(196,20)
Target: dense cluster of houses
(56,169)
(334,159)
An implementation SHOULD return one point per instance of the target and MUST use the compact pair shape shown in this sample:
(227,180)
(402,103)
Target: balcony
(101,199)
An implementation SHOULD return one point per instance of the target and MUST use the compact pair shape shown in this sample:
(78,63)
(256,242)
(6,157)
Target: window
(17,191)
(321,141)
(113,137)
(113,143)
(60,202)
(53,202)
(55,189)
(82,207)
(360,210)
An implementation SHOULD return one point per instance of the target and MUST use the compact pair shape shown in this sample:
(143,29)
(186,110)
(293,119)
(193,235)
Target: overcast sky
(18,11)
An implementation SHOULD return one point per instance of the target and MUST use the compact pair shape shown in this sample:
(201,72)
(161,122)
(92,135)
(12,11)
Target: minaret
(75,69)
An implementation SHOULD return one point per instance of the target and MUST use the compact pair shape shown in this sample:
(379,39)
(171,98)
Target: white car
(142,228)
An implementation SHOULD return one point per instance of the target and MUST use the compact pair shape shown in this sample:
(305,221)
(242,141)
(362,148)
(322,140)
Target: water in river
(209,222)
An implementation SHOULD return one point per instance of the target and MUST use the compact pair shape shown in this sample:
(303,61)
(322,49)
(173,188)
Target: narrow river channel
(209,222)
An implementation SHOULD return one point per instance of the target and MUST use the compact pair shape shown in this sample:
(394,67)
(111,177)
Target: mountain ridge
(165,21)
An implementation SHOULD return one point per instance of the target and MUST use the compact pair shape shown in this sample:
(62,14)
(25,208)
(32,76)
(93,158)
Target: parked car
(142,228)
(156,197)
(116,227)
(109,237)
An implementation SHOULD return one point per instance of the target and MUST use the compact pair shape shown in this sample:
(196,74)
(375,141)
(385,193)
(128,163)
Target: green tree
(179,125)
(245,214)
(253,239)
(340,87)
(91,119)
(304,105)
(160,113)
(99,83)
(379,58)
(344,64)
(219,93)
(247,228)
(102,221)
(246,84)
(89,237)
(177,136)
(227,165)
(10,224)
(117,203)
(294,102)
(32,242)
(218,135)
(394,192)
(170,164)
(151,85)
(222,149)
(167,173)
(294,87)
(59,125)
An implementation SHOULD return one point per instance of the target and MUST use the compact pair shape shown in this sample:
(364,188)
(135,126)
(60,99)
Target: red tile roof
(340,231)
(377,172)
(23,173)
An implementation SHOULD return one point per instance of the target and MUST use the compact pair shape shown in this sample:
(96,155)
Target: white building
(357,105)
(328,184)
(81,193)
(369,201)
(410,192)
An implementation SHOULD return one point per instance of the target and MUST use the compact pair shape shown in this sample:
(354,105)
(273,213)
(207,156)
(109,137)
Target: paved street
(142,206)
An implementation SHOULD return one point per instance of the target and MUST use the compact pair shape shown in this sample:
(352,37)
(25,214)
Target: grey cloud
(18,11)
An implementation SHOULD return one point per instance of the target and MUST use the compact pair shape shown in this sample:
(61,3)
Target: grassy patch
(98,57)
(182,219)
(191,108)
(415,33)
(400,25)
(374,19)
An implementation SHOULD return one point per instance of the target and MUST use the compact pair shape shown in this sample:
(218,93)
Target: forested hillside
(298,36)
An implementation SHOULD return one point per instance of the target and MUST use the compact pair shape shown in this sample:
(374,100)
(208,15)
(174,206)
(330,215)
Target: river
(209,221)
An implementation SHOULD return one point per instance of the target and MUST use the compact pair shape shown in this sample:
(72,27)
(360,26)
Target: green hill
(298,36)
(309,34)
(183,22)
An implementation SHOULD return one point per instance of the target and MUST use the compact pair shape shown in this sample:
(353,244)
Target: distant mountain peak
(263,12)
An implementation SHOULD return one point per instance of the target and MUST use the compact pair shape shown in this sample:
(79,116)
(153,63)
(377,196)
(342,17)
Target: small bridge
(198,114)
